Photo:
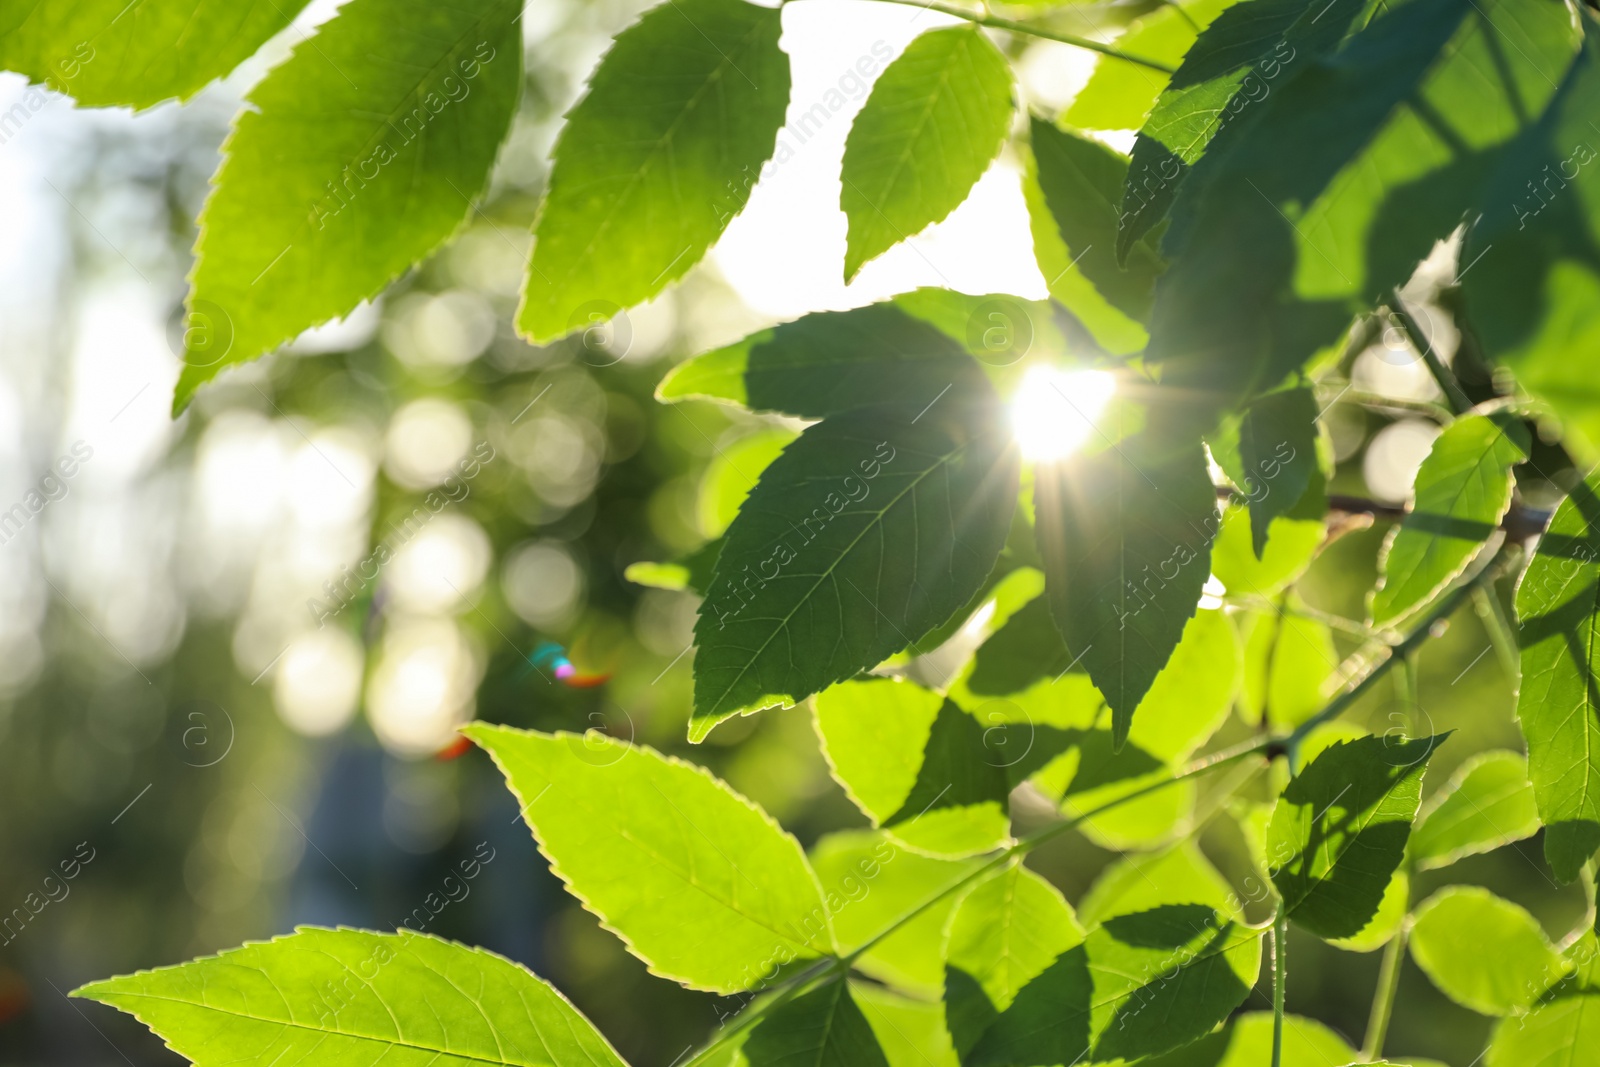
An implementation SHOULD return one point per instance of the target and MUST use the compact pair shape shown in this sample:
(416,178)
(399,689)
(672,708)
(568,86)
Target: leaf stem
(1501,634)
(1280,979)
(1383,999)
(998,23)
(1459,401)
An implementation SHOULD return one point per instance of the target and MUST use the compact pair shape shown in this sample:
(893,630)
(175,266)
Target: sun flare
(1055,411)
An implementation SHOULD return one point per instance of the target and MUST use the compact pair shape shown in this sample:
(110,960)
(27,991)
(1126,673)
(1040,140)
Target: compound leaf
(1558,603)
(935,120)
(353,160)
(1462,490)
(872,528)
(1339,831)
(349,998)
(700,884)
(1488,802)
(661,152)
(103,55)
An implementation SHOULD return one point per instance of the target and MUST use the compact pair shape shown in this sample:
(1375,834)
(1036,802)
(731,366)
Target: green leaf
(869,531)
(1488,802)
(1004,934)
(1339,830)
(655,159)
(1560,1033)
(1125,535)
(1278,449)
(1178,874)
(1139,985)
(1080,180)
(1462,490)
(352,160)
(830,362)
(1354,168)
(1558,603)
(1386,921)
(1288,660)
(1483,952)
(349,998)
(1237,61)
(1529,271)
(1292,543)
(1247,1042)
(700,884)
(691,572)
(916,764)
(822,1028)
(935,120)
(168,48)
(1119,94)
(910,1032)
(732,472)
(870,882)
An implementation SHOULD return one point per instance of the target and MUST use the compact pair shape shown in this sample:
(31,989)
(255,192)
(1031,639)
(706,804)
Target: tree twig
(998,23)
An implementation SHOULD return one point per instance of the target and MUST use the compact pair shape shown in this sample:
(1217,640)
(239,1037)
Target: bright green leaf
(935,120)
(732,472)
(916,764)
(1288,660)
(1462,490)
(1339,831)
(1561,1033)
(691,572)
(351,161)
(1292,543)
(1488,802)
(1483,952)
(1125,535)
(1247,1042)
(1139,985)
(102,56)
(660,153)
(700,884)
(911,1032)
(1119,94)
(869,883)
(816,581)
(1558,603)
(1179,874)
(349,998)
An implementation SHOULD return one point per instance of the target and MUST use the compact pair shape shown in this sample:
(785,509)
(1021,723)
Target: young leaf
(869,531)
(655,159)
(89,50)
(911,1032)
(1287,661)
(1483,952)
(1081,180)
(1292,543)
(700,884)
(1278,449)
(869,883)
(1339,831)
(830,362)
(1125,535)
(935,120)
(1247,1042)
(1558,603)
(1004,934)
(353,160)
(916,764)
(822,1028)
(1139,985)
(348,998)
(1462,490)
(1488,802)
(1119,94)
(1564,1032)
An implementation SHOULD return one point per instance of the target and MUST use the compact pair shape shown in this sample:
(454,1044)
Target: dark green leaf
(655,159)
(352,160)
(89,50)
(935,120)
(822,1028)
(1339,830)
(349,998)
(1462,490)
(1558,603)
(1125,534)
(870,530)
(1278,450)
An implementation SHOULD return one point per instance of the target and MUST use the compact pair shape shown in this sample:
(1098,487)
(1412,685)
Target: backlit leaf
(1278,450)
(822,1028)
(1560,1033)
(1483,952)
(1119,94)
(1247,1042)
(1488,802)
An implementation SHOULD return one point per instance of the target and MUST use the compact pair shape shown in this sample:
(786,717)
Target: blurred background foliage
(194,691)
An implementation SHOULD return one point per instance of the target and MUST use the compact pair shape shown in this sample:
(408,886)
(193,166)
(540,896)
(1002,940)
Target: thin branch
(998,23)
(1383,998)
(1453,392)
(1520,522)
(1280,979)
